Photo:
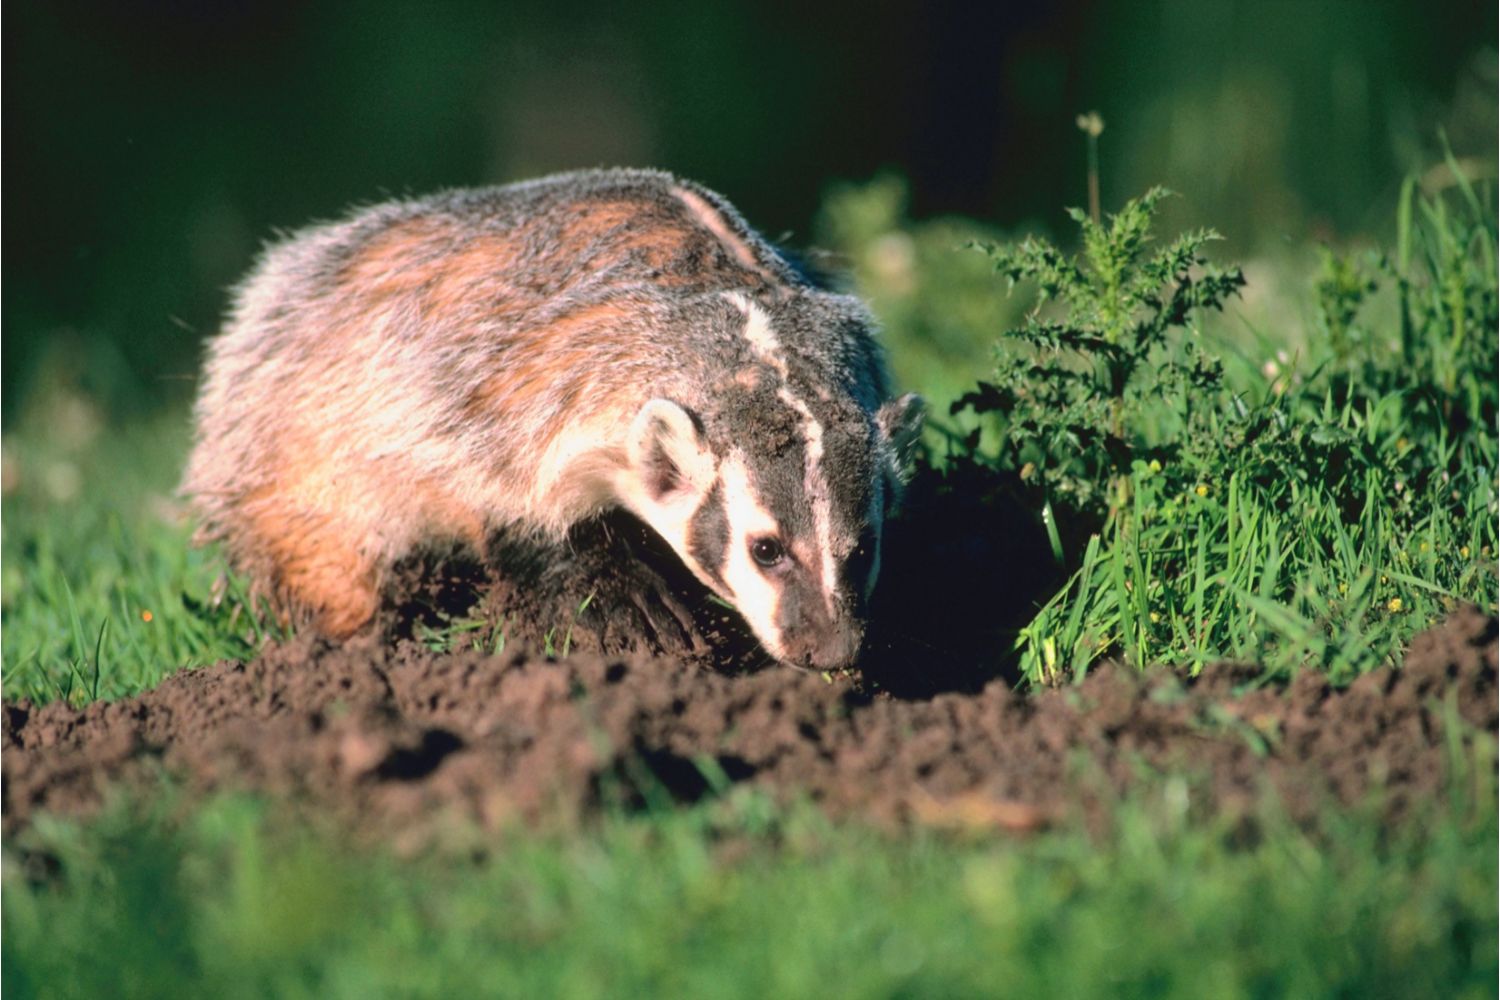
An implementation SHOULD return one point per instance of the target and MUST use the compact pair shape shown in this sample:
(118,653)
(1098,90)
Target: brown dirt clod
(395,739)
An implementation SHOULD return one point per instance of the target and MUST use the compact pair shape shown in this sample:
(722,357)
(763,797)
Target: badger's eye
(767,551)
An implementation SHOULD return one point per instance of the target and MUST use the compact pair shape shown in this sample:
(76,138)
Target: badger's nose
(831,647)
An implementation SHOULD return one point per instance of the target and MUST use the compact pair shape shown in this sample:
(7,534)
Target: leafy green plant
(1116,376)
(1321,517)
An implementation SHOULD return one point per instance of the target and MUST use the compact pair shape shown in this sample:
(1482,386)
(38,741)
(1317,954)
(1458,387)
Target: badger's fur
(529,356)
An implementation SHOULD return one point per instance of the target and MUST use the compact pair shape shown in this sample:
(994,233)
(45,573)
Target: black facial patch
(708,534)
(848,465)
(770,433)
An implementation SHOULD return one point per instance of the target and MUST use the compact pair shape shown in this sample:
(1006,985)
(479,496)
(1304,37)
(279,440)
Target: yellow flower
(1154,465)
(1393,605)
(1463,551)
(1201,490)
(1155,618)
(1343,588)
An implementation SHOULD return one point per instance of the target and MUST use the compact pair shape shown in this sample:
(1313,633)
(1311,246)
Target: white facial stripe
(815,486)
(754,595)
(767,349)
(763,342)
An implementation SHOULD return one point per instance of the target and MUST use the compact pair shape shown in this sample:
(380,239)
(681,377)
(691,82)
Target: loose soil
(394,741)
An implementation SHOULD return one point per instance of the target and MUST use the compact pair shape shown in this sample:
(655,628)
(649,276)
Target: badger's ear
(900,423)
(668,456)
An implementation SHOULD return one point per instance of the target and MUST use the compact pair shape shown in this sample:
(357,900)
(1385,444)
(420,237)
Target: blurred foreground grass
(738,897)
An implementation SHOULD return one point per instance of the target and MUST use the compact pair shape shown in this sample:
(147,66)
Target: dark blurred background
(151,146)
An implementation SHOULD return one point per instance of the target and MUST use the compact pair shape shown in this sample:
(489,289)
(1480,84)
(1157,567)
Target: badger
(527,357)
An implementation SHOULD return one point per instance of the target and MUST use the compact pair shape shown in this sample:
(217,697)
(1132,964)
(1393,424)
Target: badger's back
(438,367)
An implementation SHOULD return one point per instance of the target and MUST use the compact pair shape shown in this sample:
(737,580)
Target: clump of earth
(404,741)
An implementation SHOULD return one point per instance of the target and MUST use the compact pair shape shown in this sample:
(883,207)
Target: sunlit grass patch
(103,593)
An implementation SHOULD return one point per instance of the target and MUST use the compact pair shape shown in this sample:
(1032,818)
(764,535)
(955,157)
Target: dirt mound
(391,740)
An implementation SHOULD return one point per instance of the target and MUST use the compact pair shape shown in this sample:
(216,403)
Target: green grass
(1233,576)
(102,593)
(740,898)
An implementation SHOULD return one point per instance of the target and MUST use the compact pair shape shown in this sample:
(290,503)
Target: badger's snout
(826,646)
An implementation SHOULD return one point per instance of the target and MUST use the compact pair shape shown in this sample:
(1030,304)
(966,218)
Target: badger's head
(774,491)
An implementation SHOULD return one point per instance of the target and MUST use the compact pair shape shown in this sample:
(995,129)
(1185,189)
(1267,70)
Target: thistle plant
(1107,371)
